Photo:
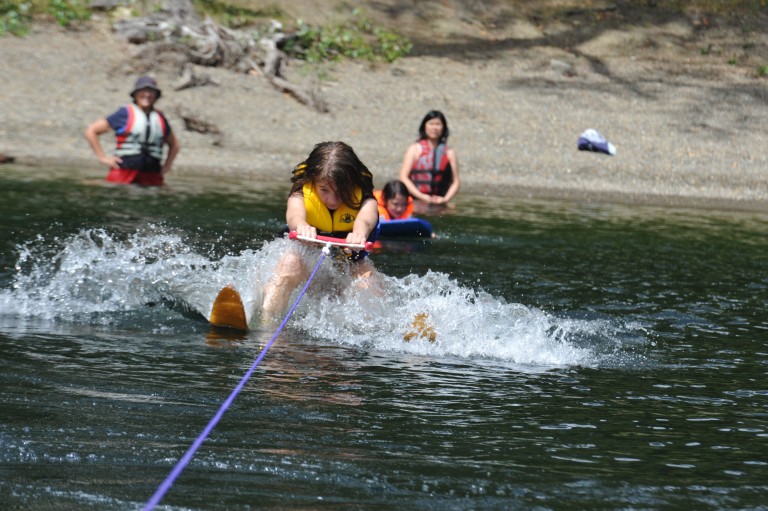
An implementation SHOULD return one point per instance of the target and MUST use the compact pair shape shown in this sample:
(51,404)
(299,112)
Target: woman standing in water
(141,131)
(430,168)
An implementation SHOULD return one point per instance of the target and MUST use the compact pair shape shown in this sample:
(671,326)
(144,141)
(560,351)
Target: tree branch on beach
(272,68)
(193,122)
(175,35)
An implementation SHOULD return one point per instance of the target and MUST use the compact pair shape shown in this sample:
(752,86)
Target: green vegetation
(69,12)
(234,16)
(14,17)
(357,38)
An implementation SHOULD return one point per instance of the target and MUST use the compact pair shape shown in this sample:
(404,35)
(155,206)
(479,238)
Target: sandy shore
(689,128)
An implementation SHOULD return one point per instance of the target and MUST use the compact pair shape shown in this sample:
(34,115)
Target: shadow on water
(588,355)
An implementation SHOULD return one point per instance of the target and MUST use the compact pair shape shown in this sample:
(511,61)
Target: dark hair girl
(434,114)
(430,168)
(336,163)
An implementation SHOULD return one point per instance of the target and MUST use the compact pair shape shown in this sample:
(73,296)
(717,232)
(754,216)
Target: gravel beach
(689,126)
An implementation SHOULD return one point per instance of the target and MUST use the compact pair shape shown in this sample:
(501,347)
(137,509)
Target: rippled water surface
(587,356)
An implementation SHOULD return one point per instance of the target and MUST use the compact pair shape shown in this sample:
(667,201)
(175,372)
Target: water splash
(466,323)
(95,276)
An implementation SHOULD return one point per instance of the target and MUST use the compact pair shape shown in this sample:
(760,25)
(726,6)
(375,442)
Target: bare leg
(367,277)
(289,274)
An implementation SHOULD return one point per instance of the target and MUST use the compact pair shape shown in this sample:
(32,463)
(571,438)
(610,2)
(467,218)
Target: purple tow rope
(184,461)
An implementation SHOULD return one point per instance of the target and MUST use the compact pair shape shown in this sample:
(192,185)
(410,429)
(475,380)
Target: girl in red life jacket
(430,168)
(395,203)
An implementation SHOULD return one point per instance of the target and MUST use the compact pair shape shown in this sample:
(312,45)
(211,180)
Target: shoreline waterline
(268,175)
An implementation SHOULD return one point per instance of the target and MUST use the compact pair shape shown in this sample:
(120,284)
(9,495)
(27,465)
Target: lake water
(588,356)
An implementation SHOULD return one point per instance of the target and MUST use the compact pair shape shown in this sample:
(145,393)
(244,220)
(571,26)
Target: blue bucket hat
(146,82)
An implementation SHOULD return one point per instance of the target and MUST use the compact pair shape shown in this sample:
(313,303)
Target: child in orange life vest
(332,195)
(395,203)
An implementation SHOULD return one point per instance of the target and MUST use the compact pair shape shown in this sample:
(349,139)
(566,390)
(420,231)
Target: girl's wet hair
(394,188)
(433,114)
(335,163)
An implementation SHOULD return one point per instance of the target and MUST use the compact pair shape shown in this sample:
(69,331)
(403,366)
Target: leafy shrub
(14,17)
(356,39)
(392,46)
(235,16)
(68,12)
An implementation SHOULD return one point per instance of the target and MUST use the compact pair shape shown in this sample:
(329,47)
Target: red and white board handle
(336,242)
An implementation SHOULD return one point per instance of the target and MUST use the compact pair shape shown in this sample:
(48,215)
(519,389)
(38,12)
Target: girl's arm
(365,222)
(455,184)
(409,158)
(296,216)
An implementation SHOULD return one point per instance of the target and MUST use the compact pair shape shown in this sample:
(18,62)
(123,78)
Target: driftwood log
(193,122)
(189,78)
(272,69)
(174,35)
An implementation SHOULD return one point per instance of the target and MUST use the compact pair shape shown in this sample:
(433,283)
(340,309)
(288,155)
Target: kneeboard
(228,310)
(407,227)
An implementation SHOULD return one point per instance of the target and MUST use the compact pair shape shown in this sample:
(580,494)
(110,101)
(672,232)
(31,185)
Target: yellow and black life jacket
(336,223)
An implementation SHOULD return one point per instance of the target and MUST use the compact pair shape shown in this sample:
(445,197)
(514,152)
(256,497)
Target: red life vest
(384,213)
(432,171)
(142,134)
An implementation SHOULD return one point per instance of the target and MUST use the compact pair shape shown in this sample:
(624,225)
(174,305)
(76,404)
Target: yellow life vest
(327,222)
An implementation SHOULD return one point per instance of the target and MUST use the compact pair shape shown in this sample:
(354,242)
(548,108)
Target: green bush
(358,38)
(392,46)
(14,17)
(234,16)
(68,12)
